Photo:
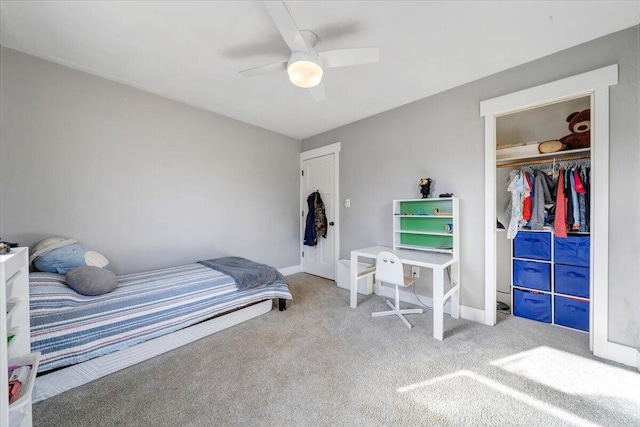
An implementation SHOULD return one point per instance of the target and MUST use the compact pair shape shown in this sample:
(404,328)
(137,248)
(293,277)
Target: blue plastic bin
(535,306)
(532,245)
(532,275)
(572,280)
(572,250)
(572,313)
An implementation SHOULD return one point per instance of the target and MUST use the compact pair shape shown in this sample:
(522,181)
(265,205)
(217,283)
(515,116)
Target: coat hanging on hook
(316,223)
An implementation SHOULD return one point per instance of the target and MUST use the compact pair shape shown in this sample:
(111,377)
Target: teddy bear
(580,137)
(425,187)
(580,126)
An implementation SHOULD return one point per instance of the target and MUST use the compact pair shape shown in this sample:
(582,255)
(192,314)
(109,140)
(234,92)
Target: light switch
(347,203)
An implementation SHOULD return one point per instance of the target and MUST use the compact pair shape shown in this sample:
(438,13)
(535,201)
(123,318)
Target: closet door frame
(596,85)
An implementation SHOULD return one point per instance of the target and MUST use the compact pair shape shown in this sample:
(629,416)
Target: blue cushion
(61,260)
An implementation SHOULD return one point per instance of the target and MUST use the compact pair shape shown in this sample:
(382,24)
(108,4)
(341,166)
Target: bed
(83,338)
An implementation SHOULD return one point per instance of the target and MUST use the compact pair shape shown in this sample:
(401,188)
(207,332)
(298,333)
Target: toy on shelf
(425,187)
(580,137)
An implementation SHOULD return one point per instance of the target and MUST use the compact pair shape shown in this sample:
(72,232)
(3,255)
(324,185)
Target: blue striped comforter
(69,328)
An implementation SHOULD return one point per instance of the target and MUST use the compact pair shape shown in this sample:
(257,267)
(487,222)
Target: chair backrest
(389,268)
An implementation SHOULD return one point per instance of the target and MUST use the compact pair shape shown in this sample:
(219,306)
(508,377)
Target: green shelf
(434,224)
(426,240)
(425,206)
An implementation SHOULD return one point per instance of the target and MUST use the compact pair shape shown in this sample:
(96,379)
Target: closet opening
(538,275)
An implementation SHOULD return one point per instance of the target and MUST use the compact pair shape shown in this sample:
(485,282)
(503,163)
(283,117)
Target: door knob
(331,223)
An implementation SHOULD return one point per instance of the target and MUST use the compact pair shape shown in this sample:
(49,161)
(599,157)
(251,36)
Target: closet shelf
(559,156)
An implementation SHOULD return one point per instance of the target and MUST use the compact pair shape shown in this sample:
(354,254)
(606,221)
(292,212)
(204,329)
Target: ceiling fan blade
(286,25)
(264,69)
(318,92)
(346,57)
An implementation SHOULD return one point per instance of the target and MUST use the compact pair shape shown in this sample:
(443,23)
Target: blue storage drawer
(572,280)
(572,250)
(532,275)
(532,245)
(572,313)
(532,305)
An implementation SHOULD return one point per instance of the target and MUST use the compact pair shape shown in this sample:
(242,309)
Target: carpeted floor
(322,363)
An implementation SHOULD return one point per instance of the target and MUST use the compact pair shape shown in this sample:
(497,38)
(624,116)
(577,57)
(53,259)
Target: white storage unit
(14,320)
(365,284)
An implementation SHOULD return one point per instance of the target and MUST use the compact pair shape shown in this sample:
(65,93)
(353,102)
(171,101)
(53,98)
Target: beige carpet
(323,363)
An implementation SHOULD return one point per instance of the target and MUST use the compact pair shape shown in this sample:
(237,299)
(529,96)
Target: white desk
(437,262)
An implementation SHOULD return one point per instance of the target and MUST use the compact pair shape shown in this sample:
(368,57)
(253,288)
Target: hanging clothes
(582,201)
(526,206)
(560,221)
(574,201)
(316,223)
(320,217)
(540,193)
(586,182)
(539,200)
(567,194)
(516,187)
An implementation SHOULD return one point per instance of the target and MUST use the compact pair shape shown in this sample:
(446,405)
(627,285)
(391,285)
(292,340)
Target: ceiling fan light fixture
(304,70)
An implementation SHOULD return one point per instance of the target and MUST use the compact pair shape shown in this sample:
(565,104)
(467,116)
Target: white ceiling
(191,51)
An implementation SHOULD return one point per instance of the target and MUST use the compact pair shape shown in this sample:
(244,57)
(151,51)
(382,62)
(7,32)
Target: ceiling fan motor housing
(304,69)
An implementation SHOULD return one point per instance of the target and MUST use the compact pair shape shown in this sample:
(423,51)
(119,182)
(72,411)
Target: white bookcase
(14,320)
(427,225)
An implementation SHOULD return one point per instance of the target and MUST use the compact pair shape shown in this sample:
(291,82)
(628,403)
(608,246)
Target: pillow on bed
(66,258)
(90,280)
(48,245)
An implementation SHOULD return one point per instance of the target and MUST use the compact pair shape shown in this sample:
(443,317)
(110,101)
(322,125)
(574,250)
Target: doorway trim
(596,85)
(311,154)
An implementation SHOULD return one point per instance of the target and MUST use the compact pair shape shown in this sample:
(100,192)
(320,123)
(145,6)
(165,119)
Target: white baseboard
(287,271)
(619,353)
(473,314)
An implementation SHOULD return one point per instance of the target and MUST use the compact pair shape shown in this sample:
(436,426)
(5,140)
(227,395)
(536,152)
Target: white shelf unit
(417,226)
(14,320)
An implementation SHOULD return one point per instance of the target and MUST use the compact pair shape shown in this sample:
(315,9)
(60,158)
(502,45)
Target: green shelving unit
(426,224)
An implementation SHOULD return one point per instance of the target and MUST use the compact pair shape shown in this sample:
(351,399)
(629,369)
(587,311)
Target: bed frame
(56,382)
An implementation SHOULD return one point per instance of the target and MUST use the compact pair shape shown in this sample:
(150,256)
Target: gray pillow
(91,280)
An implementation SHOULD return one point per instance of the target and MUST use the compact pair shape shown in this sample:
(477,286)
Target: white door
(318,174)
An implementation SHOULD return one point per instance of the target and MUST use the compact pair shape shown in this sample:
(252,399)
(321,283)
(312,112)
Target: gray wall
(146,181)
(442,137)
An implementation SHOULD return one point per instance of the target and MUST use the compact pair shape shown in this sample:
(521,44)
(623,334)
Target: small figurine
(425,187)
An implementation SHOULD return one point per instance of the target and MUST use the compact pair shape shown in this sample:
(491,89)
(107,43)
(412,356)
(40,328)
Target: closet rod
(537,162)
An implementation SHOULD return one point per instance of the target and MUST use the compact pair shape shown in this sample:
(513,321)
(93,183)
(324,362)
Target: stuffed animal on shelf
(580,137)
(580,127)
(425,187)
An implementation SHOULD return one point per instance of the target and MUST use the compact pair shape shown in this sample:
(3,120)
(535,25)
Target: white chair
(389,270)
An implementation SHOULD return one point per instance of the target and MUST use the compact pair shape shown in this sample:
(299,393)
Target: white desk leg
(455,297)
(353,283)
(438,306)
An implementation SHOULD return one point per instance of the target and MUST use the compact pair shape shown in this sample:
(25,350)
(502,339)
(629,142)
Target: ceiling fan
(305,66)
